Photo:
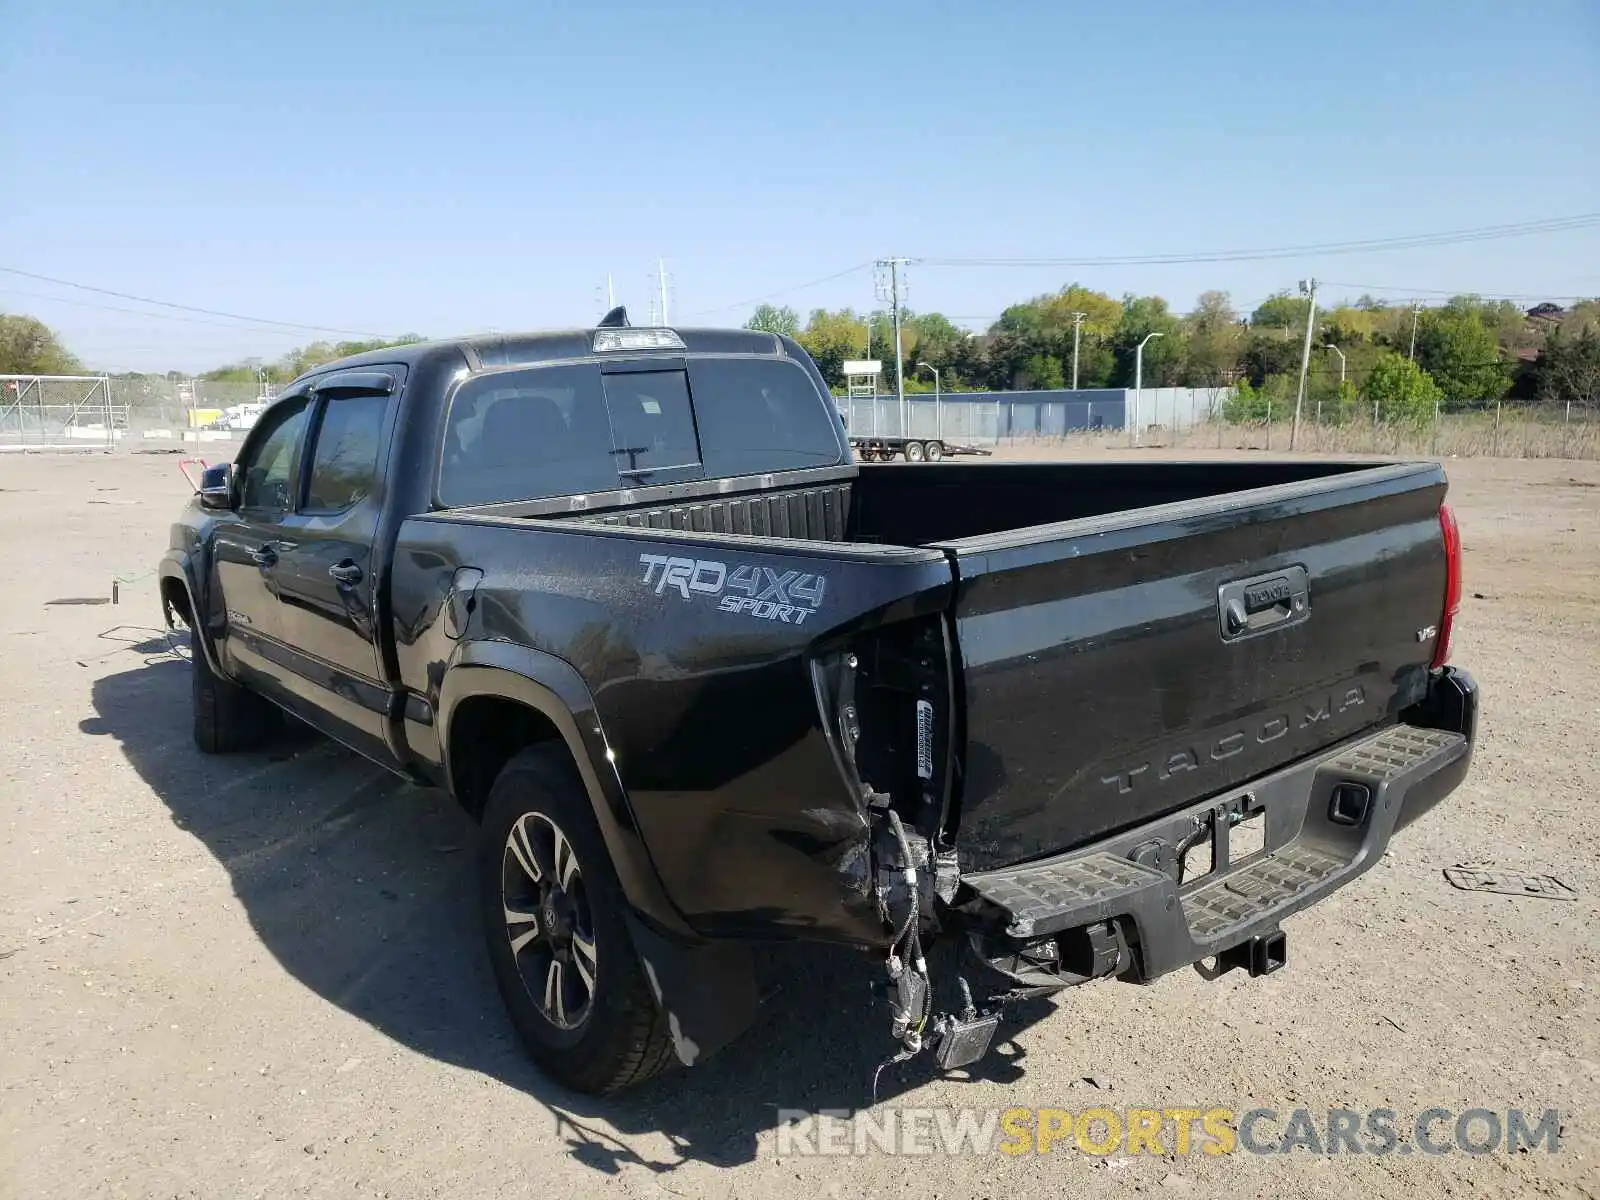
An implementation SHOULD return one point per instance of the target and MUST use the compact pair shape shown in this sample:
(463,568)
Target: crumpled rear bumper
(1326,821)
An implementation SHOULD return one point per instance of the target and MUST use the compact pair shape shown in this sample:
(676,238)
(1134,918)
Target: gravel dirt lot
(261,976)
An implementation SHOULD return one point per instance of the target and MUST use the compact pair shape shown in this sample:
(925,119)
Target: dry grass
(1476,436)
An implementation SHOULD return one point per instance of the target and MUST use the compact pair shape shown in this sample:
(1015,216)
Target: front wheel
(553,921)
(227,716)
(914,452)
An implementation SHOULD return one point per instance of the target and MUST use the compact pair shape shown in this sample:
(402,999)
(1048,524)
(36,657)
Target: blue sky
(457,167)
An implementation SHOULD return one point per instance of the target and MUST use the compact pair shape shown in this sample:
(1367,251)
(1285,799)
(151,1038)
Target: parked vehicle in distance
(705,682)
(915,450)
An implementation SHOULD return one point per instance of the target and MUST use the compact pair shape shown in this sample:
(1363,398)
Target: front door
(326,573)
(247,548)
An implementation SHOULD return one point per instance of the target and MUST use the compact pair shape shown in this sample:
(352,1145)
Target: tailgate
(1118,668)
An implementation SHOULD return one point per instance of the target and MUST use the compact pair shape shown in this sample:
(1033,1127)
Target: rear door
(327,577)
(1117,668)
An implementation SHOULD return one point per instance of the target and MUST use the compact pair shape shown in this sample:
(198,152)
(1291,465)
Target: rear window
(525,435)
(760,415)
(567,430)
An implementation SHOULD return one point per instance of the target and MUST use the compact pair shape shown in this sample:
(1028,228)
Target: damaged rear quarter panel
(697,651)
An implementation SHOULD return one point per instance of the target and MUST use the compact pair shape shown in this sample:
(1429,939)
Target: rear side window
(757,416)
(525,435)
(344,462)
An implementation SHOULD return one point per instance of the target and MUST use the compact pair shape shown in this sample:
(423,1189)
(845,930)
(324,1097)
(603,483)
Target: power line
(210,312)
(137,312)
(798,287)
(1375,288)
(1407,242)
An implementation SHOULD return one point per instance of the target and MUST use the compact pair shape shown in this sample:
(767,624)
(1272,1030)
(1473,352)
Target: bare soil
(261,975)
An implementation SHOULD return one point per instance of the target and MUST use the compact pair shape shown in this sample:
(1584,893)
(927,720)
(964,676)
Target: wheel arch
(178,596)
(505,697)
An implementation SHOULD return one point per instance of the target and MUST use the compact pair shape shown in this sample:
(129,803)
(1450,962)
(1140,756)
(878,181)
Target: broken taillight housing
(1452,584)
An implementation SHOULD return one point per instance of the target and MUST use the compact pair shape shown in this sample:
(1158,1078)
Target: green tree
(1214,342)
(30,347)
(1282,313)
(770,319)
(1403,392)
(1042,371)
(1459,350)
(1568,370)
(1142,316)
(832,337)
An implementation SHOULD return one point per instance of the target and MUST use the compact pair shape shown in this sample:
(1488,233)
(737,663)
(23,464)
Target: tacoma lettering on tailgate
(1215,748)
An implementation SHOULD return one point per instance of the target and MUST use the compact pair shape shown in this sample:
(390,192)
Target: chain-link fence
(125,412)
(58,410)
(1501,431)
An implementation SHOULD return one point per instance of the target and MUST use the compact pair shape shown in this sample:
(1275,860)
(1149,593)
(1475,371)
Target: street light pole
(938,425)
(1340,353)
(1138,389)
(1077,327)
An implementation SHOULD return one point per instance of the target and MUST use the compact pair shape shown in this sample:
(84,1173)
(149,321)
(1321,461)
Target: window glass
(757,416)
(344,462)
(268,470)
(651,425)
(522,435)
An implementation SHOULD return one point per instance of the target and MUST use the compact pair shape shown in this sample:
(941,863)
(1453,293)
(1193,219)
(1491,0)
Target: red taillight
(1452,584)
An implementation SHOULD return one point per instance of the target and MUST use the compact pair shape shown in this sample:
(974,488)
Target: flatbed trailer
(914,449)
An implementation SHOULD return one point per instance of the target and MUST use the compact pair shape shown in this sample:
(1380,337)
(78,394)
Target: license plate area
(1233,832)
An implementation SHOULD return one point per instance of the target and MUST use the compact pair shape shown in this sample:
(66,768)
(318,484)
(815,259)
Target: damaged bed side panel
(709,705)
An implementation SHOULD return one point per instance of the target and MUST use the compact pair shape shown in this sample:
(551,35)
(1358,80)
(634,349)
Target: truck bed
(1093,689)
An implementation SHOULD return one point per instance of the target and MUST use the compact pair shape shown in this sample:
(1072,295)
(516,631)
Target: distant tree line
(1467,353)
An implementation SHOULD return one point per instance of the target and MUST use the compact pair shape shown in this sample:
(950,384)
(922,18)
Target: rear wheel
(914,452)
(935,451)
(228,717)
(552,918)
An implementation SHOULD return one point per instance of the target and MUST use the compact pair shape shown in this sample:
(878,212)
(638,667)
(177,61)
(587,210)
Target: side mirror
(216,487)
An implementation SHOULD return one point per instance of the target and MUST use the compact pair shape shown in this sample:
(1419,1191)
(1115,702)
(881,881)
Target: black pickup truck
(705,682)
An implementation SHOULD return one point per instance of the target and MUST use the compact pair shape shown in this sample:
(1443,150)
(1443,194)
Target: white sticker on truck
(924,740)
(748,590)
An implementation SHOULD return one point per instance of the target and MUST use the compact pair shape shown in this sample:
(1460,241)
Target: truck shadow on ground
(361,886)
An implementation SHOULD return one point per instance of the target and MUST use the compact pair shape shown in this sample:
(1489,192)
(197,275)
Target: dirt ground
(261,975)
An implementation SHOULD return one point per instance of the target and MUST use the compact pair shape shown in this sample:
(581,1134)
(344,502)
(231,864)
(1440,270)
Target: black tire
(619,1038)
(228,717)
(934,451)
(914,452)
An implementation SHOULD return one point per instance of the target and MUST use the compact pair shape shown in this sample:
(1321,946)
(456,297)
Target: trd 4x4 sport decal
(789,596)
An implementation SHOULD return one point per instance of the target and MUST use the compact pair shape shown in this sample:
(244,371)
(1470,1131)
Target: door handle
(346,574)
(265,556)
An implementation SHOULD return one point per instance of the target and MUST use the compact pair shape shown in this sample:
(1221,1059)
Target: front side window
(267,468)
(344,461)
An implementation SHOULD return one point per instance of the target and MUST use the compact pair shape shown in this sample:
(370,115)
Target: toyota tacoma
(705,682)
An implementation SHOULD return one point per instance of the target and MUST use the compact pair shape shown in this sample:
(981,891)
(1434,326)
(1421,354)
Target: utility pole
(1077,325)
(894,291)
(1416,307)
(1308,288)
(661,283)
